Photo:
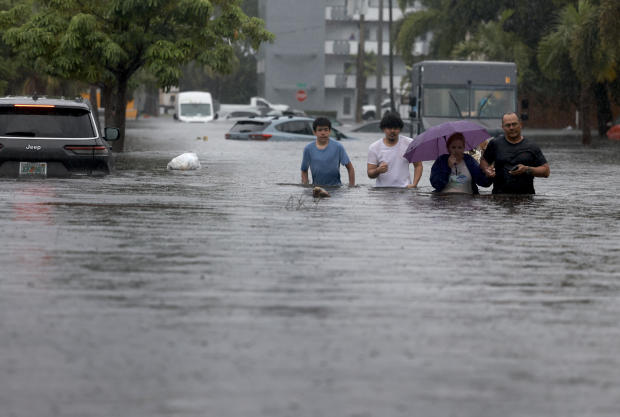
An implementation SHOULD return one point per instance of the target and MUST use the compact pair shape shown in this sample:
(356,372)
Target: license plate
(33,169)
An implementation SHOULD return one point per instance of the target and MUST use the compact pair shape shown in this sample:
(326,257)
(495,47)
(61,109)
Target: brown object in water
(318,192)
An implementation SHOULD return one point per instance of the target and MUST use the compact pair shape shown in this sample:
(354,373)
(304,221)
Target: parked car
(373,127)
(240,114)
(614,130)
(52,137)
(277,128)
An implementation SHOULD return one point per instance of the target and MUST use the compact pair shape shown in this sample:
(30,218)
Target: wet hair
(321,121)
(391,120)
(453,137)
(510,112)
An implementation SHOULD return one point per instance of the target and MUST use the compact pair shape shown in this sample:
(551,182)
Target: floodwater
(229,292)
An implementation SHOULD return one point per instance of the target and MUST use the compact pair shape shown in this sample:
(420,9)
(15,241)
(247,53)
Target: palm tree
(492,43)
(574,47)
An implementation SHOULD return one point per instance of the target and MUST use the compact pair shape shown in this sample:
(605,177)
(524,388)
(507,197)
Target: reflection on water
(34,230)
(230,291)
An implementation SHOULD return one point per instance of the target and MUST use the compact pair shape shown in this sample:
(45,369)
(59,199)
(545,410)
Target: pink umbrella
(431,144)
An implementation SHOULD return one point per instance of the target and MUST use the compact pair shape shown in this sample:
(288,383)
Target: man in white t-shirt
(385,156)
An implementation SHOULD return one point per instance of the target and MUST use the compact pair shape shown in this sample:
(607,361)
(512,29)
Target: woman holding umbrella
(457,172)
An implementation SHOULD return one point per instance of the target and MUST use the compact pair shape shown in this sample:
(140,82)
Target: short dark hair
(391,120)
(510,112)
(321,121)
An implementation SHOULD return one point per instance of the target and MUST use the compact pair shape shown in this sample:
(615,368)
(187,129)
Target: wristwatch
(529,171)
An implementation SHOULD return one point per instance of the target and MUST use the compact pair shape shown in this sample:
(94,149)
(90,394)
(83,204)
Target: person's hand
(451,161)
(519,169)
(382,168)
(490,172)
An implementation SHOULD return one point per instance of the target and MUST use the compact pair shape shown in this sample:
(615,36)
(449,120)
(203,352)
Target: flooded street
(229,292)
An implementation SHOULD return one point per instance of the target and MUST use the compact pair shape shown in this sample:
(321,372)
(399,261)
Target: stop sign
(301,95)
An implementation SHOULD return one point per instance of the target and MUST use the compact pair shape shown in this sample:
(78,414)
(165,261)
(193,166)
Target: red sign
(301,95)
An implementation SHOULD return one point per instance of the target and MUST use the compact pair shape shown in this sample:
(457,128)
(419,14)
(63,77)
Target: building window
(346,106)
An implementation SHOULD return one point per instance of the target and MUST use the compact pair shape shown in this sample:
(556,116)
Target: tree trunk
(390,21)
(379,88)
(360,79)
(603,107)
(108,105)
(586,134)
(120,106)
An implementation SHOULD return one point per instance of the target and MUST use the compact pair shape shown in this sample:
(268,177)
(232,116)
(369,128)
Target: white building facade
(312,63)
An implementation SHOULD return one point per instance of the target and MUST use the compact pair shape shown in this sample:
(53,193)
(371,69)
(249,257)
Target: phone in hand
(514,168)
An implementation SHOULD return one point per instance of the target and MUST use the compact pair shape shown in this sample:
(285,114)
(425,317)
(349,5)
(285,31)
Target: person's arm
(476,172)
(541,171)
(417,174)
(487,169)
(304,177)
(374,171)
(440,174)
(351,172)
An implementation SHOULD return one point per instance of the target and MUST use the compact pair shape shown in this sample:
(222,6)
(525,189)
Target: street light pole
(379,87)
(392,106)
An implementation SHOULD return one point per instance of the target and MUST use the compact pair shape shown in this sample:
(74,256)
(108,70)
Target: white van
(194,106)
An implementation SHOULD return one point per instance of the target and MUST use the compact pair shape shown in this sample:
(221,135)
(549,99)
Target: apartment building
(312,63)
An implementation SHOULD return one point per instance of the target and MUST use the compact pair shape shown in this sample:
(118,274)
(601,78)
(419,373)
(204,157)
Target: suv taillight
(259,136)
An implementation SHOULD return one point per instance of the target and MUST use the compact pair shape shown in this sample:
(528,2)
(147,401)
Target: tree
(575,46)
(491,42)
(449,21)
(108,41)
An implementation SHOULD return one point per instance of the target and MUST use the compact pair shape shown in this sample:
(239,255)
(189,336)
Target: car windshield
(46,122)
(245,126)
(196,109)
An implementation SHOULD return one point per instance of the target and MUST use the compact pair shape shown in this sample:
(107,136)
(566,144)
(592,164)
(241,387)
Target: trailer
(481,91)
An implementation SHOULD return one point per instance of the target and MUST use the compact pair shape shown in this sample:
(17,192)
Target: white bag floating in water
(185,162)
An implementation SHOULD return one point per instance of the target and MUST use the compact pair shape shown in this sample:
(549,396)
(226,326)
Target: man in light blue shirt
(324,156)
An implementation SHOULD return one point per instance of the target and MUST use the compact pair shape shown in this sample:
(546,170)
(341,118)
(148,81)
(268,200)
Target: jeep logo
(33,147)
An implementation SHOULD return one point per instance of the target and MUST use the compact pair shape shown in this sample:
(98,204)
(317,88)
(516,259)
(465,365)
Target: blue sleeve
(344,158)
(476,173)
(305,161)
(440,173)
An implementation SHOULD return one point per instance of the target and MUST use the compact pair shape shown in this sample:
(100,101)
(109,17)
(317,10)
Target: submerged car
(277,128)
(52,137)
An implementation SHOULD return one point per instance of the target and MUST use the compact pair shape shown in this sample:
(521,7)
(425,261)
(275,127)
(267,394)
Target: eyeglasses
(513,124)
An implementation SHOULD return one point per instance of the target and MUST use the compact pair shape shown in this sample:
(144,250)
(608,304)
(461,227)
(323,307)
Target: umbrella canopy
(431,144)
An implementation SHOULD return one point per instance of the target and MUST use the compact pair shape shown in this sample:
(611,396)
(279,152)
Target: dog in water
(318,192)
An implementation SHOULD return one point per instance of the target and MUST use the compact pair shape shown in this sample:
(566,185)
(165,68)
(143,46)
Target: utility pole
(360,79)
(379,88)
(392,106)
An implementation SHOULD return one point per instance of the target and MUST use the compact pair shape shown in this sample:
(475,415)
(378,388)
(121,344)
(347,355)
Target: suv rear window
(298,127)
(245,126)
(50,122)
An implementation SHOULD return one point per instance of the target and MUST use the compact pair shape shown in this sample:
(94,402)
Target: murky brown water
(229,292)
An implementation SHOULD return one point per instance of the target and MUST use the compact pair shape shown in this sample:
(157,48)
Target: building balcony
(346,47)
(340,13)
(349,80)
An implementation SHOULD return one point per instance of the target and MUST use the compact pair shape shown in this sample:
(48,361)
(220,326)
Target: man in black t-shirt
(512,161)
